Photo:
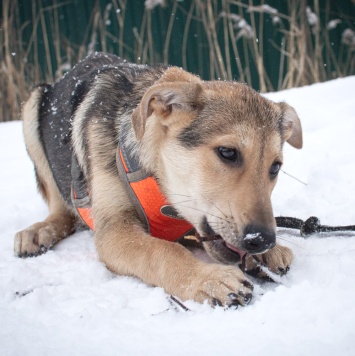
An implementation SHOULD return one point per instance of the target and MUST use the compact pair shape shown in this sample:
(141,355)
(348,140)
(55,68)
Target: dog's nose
(258,239)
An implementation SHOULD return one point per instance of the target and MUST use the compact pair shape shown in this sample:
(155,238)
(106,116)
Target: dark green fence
(270,45)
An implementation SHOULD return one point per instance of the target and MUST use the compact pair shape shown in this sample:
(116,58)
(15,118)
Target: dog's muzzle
(258,239)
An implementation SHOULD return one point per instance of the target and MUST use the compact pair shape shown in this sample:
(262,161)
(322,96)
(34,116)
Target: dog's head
(216,148)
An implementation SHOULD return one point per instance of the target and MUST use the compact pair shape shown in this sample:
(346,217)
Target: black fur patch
(201,130)
(59,103)
(191,136)
(121,87)
(206,228)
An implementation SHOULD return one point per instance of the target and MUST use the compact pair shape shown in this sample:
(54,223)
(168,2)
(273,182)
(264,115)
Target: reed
(236,44)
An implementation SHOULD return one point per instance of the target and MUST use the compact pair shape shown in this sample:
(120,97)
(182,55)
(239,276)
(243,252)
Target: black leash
(310,226)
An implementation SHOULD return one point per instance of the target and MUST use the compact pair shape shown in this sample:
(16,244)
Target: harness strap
(127,178)
(160,218)
(80,196)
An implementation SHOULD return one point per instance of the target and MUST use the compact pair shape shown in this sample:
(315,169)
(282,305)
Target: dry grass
(234,33)
(14,88)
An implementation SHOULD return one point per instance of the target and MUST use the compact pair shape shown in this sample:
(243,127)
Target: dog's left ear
(164,98)
(291,126)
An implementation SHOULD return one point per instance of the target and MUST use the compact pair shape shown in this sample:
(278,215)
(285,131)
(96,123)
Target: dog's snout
(258,239)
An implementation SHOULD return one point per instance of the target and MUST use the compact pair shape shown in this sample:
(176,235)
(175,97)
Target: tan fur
(77,136)
(60,223)
(235,198)
(120,239)
(195,181)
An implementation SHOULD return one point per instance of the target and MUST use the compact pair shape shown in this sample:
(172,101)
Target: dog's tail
(30,117)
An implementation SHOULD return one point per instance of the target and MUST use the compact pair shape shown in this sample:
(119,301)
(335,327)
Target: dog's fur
(176,126)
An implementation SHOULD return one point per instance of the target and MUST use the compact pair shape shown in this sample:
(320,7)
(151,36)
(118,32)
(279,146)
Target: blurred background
(268,44)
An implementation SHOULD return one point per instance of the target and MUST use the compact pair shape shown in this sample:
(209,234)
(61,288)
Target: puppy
(207,152)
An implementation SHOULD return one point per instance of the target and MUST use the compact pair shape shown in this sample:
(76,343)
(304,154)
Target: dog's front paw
(277,260)
(221,285)
(35,240)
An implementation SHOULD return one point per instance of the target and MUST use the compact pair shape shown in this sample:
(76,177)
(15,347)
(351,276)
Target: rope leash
(258,269)
(310,226)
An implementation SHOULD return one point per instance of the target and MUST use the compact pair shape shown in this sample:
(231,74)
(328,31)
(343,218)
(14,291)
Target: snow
(251,236)
(66,302)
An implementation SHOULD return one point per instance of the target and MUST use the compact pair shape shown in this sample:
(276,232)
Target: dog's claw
(43,249)
(236,298)
(248,285)
(216,302)
(283,271)
(26,254)
(247,298)
(234,301)
(234,305)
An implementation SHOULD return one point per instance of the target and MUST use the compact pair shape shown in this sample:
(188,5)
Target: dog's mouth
(218,240)
(257,239)
(239,251)
(210,235)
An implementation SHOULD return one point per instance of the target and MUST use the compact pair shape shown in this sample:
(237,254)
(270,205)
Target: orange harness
(159,217)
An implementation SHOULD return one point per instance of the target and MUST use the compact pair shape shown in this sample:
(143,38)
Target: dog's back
(50,113)
(52,109)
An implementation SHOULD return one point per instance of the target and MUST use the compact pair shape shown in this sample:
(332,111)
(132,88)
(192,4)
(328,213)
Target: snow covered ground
(67,303)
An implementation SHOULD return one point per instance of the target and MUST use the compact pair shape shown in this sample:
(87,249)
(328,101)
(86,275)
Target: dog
(211,149)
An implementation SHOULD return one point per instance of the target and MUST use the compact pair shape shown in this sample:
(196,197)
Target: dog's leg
(41,236)
(125,248)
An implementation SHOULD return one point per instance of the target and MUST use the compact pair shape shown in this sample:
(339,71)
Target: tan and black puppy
(214,149)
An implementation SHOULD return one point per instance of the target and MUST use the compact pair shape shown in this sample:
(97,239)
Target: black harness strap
(79,185)
(132,177)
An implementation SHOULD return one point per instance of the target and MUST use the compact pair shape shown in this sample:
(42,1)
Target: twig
(186,32)
(290,175)
(168,34)
(175,300)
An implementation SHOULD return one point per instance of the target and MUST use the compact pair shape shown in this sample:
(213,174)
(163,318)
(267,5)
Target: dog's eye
(275,168)
(229,154)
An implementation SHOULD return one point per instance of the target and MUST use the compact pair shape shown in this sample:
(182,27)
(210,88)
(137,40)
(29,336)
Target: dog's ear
(176,74)
(164,98)
(291,126)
